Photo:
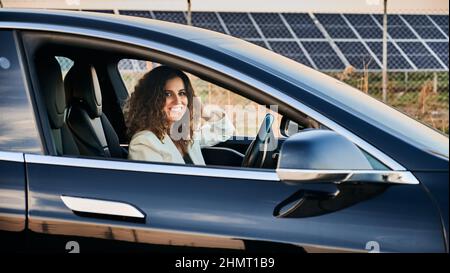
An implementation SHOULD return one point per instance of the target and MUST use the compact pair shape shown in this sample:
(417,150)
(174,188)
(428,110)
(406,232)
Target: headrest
(52,89)
(82,86)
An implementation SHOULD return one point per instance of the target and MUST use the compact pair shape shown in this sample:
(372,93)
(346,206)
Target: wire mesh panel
(365,25)
(303,26)
(419,55)
(441,50)
(423,26)
(324,56)
(396,60)
(271,25)
(358,55)
(109,11)
(136,13)
(259,43)
(442,22)
(397,28)
(208,20)
(171,16)
(240,25)
(336,26)
(291,50)
(65,64)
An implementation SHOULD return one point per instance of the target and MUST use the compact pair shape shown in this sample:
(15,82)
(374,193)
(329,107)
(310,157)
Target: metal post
(435,82)
(406,81)
(189,13)
(385,48)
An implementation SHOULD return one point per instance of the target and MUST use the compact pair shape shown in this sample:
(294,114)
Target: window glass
(245,114)
(18,131)
(65,63)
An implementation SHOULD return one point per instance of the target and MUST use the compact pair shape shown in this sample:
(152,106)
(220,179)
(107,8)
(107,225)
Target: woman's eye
(168,94)
(182,93)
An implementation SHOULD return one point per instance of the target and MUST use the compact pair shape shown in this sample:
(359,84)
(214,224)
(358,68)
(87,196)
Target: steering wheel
(257,151)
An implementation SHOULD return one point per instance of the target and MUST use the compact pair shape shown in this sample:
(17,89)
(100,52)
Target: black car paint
(233,208)
(401,218)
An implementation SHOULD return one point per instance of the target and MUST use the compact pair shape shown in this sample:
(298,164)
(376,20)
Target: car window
(65,64)
(18,131)
(245,114)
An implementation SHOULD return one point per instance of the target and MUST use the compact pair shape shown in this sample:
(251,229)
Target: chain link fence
(347,47)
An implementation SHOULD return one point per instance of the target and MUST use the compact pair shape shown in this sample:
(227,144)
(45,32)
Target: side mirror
(289,127)
(325,156)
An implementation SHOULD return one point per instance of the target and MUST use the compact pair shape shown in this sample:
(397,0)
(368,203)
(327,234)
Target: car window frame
(212,71)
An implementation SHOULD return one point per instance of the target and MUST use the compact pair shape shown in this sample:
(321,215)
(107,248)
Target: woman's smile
(176,99)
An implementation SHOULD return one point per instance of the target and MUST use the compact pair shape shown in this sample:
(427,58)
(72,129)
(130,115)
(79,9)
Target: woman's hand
(213,113)
(209,112)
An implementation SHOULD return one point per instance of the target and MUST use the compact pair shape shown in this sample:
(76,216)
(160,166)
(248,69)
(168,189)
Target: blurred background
(406,66)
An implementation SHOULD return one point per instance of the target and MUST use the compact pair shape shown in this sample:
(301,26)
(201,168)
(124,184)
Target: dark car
(348,173)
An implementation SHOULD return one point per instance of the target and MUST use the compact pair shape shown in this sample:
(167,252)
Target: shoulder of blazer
(147,138)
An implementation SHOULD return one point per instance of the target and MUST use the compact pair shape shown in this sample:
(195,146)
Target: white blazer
(146,146)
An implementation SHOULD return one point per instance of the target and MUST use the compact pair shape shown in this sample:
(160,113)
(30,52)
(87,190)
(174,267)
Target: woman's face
(176,99)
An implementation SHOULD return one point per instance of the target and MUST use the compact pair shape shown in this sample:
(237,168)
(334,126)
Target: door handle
(98,207)
(295,201)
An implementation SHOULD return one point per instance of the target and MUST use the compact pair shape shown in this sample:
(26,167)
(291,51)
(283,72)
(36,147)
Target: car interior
(81,114)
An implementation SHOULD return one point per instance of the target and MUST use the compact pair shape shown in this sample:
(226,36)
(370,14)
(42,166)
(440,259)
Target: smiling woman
(160,119)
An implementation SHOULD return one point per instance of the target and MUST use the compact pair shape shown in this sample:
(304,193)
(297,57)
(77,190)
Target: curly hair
(144,108)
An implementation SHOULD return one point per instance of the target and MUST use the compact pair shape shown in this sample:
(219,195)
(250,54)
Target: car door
(18,134)
(78,204)
(167,205)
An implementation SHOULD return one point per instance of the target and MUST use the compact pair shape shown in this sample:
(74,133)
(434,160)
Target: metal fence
(347,47)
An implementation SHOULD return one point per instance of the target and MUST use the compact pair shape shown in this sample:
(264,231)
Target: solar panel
(424,26)
(441,21)
(397,29)
(171,16)
(271,25)
(419,55)
(441,49)
(395,59)
(336,26)
(240,25)
(109,11)
(357,55)
(207,20)
(340,32)
(330,19)
(365,26)
(302,25)
(136,13)
(291,50)
(323,56)
(259,43)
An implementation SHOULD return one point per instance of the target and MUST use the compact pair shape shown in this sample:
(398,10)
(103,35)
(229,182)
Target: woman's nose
(177,99)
